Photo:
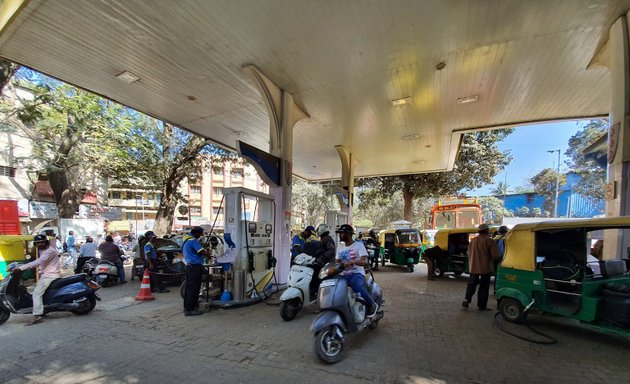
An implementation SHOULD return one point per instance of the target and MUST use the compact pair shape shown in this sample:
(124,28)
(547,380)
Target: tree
(592,177)
(312,200)
(544,183)
(501,189)
(375,211)
(527,212)
(493,210)
(479,160)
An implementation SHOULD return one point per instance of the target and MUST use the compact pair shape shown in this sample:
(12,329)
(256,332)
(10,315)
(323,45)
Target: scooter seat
(62,282)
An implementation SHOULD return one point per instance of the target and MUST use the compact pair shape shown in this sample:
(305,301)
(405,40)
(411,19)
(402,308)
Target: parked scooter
(106,272)
(76,294)
(298,291)
(90,266)
(343,312)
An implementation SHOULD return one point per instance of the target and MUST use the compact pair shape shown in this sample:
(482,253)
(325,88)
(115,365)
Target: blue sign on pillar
(267,165)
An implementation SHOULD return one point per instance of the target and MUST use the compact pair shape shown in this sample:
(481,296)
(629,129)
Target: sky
(529,145)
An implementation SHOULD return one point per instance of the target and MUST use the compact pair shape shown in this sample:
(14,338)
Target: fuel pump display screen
(251,227)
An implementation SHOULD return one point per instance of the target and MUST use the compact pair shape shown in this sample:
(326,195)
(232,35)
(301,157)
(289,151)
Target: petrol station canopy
(395,82)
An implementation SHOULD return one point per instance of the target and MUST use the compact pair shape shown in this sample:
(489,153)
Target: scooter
(342,313)
(76,294)
(298,291)
(106,272)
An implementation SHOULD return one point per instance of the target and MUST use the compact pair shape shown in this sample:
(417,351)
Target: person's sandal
(35,320)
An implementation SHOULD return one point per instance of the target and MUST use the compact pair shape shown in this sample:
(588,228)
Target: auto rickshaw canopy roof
(520,242)
(396,83)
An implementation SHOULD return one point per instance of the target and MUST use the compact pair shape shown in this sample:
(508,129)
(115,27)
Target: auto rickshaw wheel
(4,316)
(458,273)
(410,267)
(512,310)
(438,272)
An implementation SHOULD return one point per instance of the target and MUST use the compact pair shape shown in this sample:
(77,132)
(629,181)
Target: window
(129,215)
(216,170)
(195,210)
(129,195)
(216,210)
(7,171)
(195,189)
(238,172)
(217,191)
(116,195)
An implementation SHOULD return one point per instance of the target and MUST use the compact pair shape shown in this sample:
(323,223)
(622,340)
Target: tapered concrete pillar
(283,115)
(348,163)
(618,195)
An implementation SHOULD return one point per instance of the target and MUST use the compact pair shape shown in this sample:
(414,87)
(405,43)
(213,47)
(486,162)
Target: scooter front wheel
(289,309)
(328,346)
(4,316)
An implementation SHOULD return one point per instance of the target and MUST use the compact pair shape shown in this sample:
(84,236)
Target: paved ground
(425,337)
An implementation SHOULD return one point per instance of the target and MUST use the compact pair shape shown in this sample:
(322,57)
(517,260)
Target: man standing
(482,252)
(49,270)
(70,245)
(193,257)
(151,262)
(303,242)
(112,253)
(354,259)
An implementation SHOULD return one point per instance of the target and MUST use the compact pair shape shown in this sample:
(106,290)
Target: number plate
(327,283)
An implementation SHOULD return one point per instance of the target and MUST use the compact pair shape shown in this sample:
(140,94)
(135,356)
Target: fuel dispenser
(249,235)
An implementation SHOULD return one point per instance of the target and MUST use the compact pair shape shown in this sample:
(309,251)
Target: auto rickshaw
(549,267)
(450,252)
(16,248)
(400,247)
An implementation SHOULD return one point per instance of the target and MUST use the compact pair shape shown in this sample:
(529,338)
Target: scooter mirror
(27,257)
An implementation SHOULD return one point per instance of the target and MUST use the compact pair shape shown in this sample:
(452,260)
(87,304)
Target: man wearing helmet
(324,254)
(49,269)
(354,257)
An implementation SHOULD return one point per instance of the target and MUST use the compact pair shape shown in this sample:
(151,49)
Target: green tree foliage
(377,212)
(544,183)
(500,189)
(310,201)
(592,177)
(528,212)
(493,210)
(479,160)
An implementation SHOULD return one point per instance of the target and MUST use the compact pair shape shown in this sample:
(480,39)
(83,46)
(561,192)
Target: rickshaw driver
(354,257)
(482,252)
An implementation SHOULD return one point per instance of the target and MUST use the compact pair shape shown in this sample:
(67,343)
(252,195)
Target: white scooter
(106,272)
(298,291)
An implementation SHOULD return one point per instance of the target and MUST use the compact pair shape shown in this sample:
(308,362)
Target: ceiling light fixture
(414,136)
(468,99)
(440,66)
(401,101)
(127,77)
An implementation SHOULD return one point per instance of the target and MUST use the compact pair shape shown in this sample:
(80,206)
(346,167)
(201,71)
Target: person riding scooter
(324,254)
(354,257)
(49,269)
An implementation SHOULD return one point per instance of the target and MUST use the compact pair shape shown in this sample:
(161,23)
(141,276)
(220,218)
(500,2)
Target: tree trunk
(407,202)
(66,198)
(166,212)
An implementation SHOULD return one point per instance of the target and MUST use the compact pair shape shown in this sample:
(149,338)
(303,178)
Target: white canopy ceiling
(343,61)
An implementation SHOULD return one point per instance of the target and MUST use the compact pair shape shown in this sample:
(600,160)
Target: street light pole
(555,205)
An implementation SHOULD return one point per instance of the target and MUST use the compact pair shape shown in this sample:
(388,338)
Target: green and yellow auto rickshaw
(400,247)
(16,248)
(450,250)
(550,268)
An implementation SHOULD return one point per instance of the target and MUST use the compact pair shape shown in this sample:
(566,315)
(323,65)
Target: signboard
(23,208)
(43,210)
(611,191)
(99,212)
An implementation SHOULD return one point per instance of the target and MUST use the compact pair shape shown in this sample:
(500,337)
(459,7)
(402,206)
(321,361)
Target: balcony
(133,203)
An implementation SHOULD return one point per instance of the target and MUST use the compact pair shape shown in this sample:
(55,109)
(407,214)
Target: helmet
(322,229)
(149,235)
(40,239)
(345,228)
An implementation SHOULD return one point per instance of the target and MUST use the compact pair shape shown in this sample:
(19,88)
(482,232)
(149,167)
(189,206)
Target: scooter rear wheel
(85,307)
(4,316)
(328,347)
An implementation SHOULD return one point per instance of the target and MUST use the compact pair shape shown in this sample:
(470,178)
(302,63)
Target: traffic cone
(145,288)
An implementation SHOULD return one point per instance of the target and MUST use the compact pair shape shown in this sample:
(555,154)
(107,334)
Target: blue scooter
(343,312)
(76,294)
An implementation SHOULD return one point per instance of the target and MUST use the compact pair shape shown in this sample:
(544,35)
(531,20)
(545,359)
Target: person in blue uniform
(194,255)
(151,262)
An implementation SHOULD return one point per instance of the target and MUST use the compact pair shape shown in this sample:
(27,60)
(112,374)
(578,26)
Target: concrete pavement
(425,337)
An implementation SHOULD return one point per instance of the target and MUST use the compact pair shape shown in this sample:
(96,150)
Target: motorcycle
(298,291)
(343,312)
(106,272)
(76,294)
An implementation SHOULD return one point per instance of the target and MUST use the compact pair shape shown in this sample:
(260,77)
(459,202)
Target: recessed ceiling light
(402,101)
(127,77)
(468,99)
(415,136)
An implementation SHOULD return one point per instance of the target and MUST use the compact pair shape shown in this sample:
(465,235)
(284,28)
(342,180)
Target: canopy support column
(283,115)
(348,163)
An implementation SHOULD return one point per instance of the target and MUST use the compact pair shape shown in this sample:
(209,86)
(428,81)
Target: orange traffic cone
(145,288)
